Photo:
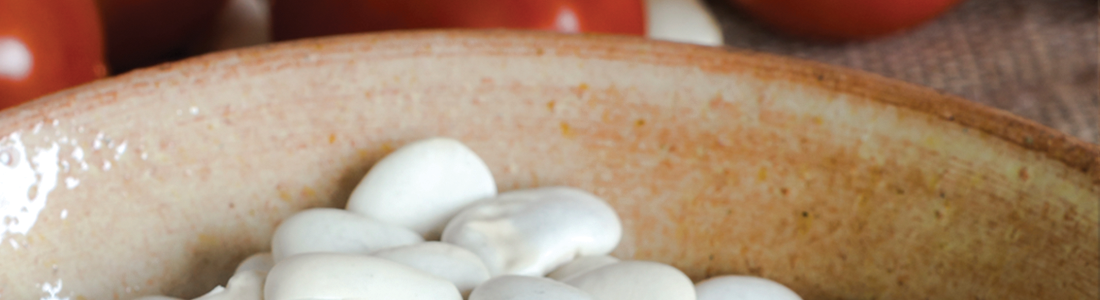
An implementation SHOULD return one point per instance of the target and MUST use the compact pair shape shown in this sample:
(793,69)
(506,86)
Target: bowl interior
(836,183)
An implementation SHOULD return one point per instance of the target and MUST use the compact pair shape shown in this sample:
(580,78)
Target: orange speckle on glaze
(550,105)
(723,141)
(639,123)
(308,192)
(581,89)
(566,130)
(718,106)
(331,138)
(805,221)
(283,194)
(206,240)
(762,174)
(717,101)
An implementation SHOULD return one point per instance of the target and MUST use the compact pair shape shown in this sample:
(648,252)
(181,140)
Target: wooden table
(1034,58)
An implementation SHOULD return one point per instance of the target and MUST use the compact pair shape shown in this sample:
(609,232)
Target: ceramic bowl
(837,183)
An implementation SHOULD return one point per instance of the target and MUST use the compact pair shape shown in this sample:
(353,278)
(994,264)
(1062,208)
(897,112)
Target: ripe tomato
(308,18)
(46,46)
(144,32)
(844,19)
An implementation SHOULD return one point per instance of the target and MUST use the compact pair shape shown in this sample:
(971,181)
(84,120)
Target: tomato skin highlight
(843,19)
(140,33)
(64,41)
(292,19)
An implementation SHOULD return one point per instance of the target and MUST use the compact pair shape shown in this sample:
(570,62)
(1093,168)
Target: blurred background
(1034,58)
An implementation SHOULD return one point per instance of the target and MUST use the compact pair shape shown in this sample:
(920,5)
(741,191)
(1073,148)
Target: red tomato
(844,19)
(145,32)
(46,46)
(293,19)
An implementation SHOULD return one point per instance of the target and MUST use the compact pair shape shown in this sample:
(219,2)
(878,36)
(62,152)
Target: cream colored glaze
(635,280)
(422,185)
(349,276)
(531,232)
(336,230)
(580,266)
(455,264)
(732,287)
(515,287)
(244,285)
(257,262)
(836,183)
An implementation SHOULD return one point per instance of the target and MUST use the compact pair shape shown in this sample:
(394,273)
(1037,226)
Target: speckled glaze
(836,183)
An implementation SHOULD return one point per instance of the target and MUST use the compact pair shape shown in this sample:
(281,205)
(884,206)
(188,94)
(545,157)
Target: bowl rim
(1031,135)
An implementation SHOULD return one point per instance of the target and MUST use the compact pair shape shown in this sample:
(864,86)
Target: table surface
(1034,58)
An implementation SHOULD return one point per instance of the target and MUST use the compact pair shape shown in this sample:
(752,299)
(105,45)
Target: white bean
(422,185)
(580,266)
(455,264)
(248,285)
(262,262)
(514,287)
(635,280)
(338,231)
(743,288)
(349,276)
(531,232)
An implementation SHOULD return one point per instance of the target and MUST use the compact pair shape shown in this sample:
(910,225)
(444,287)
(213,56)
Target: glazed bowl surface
(837,183)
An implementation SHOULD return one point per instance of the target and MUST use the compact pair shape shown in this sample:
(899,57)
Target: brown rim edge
(1073,152)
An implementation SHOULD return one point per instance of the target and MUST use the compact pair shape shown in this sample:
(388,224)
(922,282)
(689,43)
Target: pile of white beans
(427,223)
